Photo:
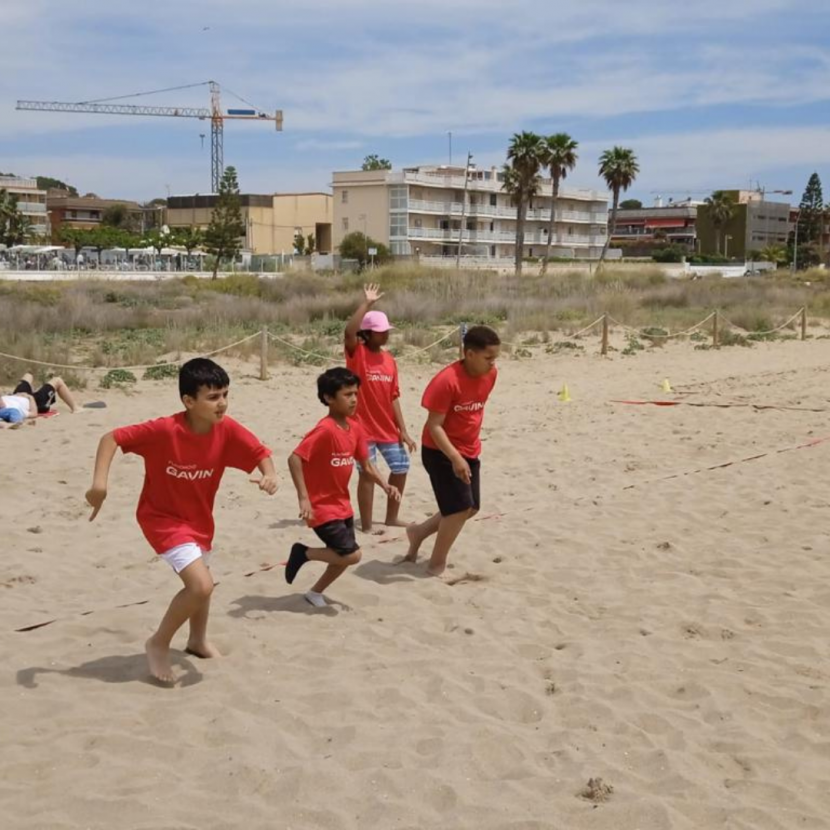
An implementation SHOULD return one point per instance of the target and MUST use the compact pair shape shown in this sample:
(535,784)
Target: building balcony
(509,237)
(31,207)
(505,212)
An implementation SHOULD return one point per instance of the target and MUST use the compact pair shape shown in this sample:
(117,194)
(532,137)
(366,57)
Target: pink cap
(375,321)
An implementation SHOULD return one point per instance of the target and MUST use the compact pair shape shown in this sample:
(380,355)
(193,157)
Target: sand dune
(669,637)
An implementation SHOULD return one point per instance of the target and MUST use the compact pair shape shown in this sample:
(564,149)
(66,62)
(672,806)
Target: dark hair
(333,380)
(199,372)
(478,338)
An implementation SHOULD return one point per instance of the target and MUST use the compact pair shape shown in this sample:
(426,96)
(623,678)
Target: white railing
(472,236)
(540,215)
(12,181)
(31,207)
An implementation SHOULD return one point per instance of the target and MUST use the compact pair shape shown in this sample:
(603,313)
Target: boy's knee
(56,381)
(353,558)
(201,588)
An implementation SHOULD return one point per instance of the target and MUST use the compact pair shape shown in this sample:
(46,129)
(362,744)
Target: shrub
(161,372)
(117,377)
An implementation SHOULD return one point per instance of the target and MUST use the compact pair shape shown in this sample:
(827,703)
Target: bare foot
(399,523)
(414,545)
(436,570)
(158,658)
(202,649)
(465,577)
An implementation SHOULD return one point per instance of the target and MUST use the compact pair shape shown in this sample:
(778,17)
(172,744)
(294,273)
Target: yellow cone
(565,394)
(666,386)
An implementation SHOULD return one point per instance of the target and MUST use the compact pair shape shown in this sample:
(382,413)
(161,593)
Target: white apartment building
(419,211)
(31,202)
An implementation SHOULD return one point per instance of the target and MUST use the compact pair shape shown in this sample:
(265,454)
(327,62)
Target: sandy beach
(666,635)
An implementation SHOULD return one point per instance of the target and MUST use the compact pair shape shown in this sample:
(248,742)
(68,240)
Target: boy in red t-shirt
(321,467)
(451,443)
(378,407)
(185,456)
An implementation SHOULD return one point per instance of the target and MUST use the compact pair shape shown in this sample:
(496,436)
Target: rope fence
(605,321)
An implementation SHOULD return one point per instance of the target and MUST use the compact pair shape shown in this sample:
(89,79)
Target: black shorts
(452,494)
(44,397)
(338,535)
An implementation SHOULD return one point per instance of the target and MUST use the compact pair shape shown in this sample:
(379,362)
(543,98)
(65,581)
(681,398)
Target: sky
(715,94)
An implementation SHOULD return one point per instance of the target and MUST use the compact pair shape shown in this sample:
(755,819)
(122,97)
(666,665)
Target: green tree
(75,238)
(14,226)
(559,157)
(119,216)
(619,167)
(48,183)
(631,204)
(721,208)
(525,158)
(223,238)
(189,238)
(811,216)
(106,238)
(373,162)
(310,244)
(774,253)
(157,239)
(299,243)
(356,246)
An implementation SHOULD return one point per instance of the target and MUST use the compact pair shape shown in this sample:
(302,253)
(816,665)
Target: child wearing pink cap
(378,408)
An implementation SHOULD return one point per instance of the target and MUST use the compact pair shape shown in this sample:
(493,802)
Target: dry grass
(112,324)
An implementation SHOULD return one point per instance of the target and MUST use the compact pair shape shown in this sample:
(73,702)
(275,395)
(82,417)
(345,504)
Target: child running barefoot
(185,456)
(321,467)
(378,408)
(451,443)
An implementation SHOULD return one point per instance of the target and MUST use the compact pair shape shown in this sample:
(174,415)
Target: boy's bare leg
(29,378)
(448,530)
(64,394)
(365,501)
(418,534)
(193,598)
(197,643)
(393,507)
(337,564)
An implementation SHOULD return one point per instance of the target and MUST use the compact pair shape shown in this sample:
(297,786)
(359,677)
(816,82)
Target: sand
(625,652)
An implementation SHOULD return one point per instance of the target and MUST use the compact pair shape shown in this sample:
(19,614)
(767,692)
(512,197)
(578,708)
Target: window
(345,223)
(397,198)
(344,197)
(492,226)
(397,224)
(493,200)
(416,222)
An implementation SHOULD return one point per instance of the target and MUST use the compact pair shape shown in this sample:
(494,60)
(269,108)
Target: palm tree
(721,207)
(560,158)
(525,155)
(619,168)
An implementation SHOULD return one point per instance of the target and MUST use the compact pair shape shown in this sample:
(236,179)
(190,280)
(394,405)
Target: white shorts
(179,557)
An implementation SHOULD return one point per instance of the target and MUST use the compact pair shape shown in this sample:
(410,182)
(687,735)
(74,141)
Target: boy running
(378,407)
(321,467)
(185,456)
(451,443)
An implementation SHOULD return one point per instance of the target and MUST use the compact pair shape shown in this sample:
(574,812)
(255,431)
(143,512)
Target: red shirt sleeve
(138,438)
(310,444)
(243,450)
(438,395)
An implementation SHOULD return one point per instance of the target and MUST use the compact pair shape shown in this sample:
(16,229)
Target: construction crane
(217,117)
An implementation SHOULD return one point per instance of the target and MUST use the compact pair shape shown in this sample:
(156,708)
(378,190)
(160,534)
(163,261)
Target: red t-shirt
(461,398)
(328,454)
(378,373)
(182,471)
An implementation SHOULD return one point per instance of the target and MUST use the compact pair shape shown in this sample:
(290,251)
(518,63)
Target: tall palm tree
(619,168)
(525,156)
(721,208)
(560,158)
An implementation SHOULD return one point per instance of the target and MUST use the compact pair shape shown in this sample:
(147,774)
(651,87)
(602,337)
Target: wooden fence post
(604,350)
(462,333)
(716,330)
(804,323)
(263,355)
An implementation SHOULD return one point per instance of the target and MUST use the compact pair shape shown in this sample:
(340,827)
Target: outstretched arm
(372,294)
(295,466)
(96,494)
(268,482)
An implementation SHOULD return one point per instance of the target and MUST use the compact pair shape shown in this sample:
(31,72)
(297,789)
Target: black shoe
(295,561)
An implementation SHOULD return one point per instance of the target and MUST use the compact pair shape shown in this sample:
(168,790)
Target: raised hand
(372,293)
